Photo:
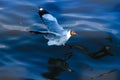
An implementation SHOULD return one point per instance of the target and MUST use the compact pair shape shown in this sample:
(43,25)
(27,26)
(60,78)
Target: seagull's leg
(68,46)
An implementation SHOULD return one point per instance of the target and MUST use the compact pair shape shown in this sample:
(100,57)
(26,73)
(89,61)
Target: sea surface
(93,54)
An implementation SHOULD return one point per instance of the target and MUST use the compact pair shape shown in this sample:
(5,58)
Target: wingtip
(42,11)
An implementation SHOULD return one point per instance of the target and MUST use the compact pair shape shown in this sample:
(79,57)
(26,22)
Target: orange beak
(73,32)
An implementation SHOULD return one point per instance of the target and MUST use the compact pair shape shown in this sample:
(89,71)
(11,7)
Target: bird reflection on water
(98,54)
(101,53)
(104,44)
(57,66)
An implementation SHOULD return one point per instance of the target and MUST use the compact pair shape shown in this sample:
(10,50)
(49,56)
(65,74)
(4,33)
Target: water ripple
(26,56)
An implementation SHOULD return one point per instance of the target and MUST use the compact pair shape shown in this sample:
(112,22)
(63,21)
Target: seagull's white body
(57,35)
(58,40)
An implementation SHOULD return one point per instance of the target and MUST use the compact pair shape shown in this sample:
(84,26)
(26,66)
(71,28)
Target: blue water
(26,56)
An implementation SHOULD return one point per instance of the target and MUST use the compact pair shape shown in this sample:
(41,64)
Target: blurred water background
(94,54)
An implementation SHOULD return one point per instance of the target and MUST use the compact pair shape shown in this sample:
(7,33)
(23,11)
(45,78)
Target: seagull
(55,34)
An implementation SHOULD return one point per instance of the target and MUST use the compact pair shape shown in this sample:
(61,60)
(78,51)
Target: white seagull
(55,34)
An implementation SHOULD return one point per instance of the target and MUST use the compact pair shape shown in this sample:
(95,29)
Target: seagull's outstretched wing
(52,24)
(50,21)
(38,32)
(46,34)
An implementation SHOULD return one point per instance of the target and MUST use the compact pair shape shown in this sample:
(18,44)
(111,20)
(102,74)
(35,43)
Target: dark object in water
(110,39)
(67,56)
(56,67)
(82,48)
(60,63)
(101,53)
(53,71)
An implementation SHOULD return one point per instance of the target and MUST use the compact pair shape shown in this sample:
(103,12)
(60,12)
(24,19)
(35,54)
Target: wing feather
(38,32)
(52,24)
(47,35)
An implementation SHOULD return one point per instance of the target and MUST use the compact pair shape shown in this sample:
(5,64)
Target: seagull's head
(41,12)
(72,32)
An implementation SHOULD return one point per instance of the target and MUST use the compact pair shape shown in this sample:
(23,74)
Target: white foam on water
(50,0)
(15,27)
(1,8)
(91,26)
(3,46)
